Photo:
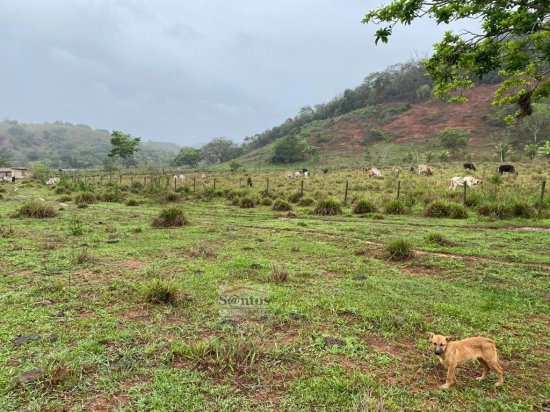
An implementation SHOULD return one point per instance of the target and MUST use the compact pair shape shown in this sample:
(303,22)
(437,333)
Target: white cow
(53,181)
(289,175)
(306,174)
(6,179)
(459,181)
(297,174)
(425,170)
(203,176)
(181,177)
(373,171)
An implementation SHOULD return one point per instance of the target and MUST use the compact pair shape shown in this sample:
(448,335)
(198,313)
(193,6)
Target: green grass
(104,344)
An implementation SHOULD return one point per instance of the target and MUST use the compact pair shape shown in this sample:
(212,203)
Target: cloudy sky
(188,71)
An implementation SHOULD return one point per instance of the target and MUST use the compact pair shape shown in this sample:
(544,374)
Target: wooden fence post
(398,189)
(464,194)
(346,194)
(267,186)
(302,188)
(194,184)
(214,183)
(175,183)
(541,200)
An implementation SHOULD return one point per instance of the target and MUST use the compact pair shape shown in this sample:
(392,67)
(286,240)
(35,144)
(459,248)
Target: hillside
(64,145)
(388,131)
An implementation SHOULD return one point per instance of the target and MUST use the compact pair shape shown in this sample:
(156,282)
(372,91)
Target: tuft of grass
(306,201)
(395,207)
(266,201)
(170,217)
(65,198)
(438,239)
(132,202)
(473,199)
(495,210)
(399,249)
(35,209)
(85,198)
(85,257)
(364,206)
(278,274)
(328,206)
(295,197)
(76,228)
(170,198)
(442,208)
(247,202)
(161,291)
(281,205)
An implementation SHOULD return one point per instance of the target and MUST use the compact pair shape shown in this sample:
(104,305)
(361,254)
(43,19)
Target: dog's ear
(449,338)
(430,336)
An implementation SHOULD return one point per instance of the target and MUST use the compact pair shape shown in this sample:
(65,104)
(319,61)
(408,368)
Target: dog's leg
(493,364)
(450,377)
(485,369)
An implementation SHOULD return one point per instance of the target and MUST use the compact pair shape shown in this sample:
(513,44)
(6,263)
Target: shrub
(441,208)
(281,206)
(306,201)
(65,198)
(496,179)
(35,209)
(294,197)
(395,207)
(85,197)
(364,206)
(494,209)
(522,209)
(438,239)
(266,201)
(328,206)
(132,202)
(399,249)
(278,274)
(111,197)
(247,202)
(473,199)
(160,291)
(236,201)
(136,187)
(170,217)
(170,198)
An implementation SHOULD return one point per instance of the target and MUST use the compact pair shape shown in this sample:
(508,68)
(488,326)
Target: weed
(306,201)
(170,217)
(364,206)
(395,207)
(278,274)
(328,206)
(441,208)
(35,209)
(438,239)
(399,249)
(161,291)
(247,202)
(281,205)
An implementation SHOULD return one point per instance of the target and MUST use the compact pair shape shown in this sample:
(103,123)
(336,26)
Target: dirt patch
(414,270)
(138,313)
(134,264)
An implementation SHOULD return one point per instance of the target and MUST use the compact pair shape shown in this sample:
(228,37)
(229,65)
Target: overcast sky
(186,71)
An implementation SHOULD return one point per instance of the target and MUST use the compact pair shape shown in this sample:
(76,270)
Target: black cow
(469,166)
(304,170)
(249,181)
(412,169)
(506,169)
(325,170)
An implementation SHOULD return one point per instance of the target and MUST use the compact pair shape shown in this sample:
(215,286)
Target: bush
(496,210)
(364,206)
(399,249)
(328,206)
(247,202)
(521,209)
(395,207)
(170,198)
(160,291)
(136,187)
(170,217)
(266,201)
(35,209)
(294,197)
(111,197)
(85,197)
(473,199)
(281,205)
(132,202)
(306,201)
(441,208)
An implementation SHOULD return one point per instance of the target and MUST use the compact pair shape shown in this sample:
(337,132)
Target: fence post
(110,177)
(194,184)
(464,194)
(346,194)
(267,186)
(541,196)
(214,183)
(144,180)
(302,188)
(120,178)
(175,183)
(240,183)
(398,189)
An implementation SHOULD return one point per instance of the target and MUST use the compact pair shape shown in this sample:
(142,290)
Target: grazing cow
(203,176)
(249,181)
(373,171)
(290,175)
(13,179)
(297,173)
(5,179)
(506,169)
(469,166)
(53,181)
(412,169)
(306,174)
(425,170)
(305,170)
(458,181)
(325,170)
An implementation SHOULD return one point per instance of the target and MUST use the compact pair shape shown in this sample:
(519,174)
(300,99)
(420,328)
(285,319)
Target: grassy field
(345,324)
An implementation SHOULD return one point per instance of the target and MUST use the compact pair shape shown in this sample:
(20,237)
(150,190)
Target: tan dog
(454,353)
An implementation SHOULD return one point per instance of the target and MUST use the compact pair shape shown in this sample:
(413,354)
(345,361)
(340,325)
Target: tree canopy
(220,149)
(291,149)
(454,139)
(514,40)
(188,156)
(124,147)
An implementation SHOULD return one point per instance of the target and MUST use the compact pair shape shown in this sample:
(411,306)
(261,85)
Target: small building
(19,172)
(5,172)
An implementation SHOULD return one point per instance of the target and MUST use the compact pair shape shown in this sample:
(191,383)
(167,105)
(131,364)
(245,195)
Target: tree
(3,162)
(40,172)
(220,149)
(188,156)
(124,147)
(454,139)
(514,40)
(291,149)
(444,155)
(503,149)
(539,119)
(234,165)
(531,150)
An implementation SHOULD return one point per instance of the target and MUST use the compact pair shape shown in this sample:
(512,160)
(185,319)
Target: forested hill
(64,145)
